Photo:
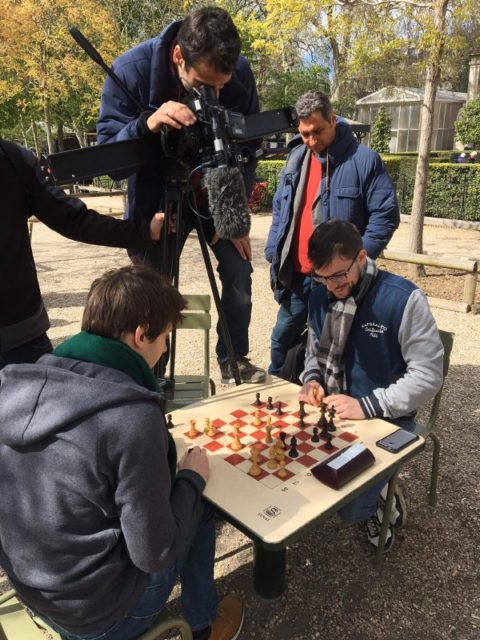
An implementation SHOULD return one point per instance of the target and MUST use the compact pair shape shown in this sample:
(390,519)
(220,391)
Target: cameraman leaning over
(204,48)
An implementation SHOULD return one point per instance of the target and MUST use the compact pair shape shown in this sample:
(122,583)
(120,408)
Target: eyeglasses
(336,278)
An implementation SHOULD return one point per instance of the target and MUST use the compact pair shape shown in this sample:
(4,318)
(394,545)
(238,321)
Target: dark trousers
(28,352)
(236,278)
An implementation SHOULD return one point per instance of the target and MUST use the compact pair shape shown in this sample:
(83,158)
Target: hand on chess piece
(196,460)
(346,407)
(311,392)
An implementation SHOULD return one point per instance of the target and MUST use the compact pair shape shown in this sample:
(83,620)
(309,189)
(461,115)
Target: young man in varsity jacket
(373,349)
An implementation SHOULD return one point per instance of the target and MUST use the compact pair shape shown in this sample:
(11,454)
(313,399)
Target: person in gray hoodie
(97,520)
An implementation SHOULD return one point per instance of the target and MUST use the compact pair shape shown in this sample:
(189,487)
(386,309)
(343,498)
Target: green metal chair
(192,388)
(17,624)
(427,431)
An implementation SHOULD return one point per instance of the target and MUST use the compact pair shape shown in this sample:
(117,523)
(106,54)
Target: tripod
(176,191)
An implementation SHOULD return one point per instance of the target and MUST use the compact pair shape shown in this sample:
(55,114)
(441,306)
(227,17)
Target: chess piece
(193,433)
(207,426)
(255,453)
(315,437)
(302,413)
(258,402)
(323,422)
(293,453)
(170,424)
(272,454)
(258,421)
(236,444)
(268,431)
(255,469)
(328,444)
(283,437)
(211,429)
(270,403)
(301,424)
(282,472)
(331,412)
(279,411)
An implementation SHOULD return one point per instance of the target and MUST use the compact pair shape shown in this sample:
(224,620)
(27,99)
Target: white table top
(275,513)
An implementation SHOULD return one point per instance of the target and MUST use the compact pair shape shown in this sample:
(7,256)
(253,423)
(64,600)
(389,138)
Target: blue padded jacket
(356,187)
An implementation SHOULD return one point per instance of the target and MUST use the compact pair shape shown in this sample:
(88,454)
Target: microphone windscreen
(228,202)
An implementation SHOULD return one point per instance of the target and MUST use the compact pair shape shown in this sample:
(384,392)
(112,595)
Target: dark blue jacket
(356,188)
(148,72)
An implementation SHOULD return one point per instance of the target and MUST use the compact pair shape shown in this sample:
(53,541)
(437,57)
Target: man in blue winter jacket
(203,49)
(329,176)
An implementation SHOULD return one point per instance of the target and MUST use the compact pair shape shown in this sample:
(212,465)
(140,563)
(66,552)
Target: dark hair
(332,239)
(123,299)
(208,35)
(313,101)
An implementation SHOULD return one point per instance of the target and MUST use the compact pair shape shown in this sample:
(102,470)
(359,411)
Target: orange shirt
(304,226)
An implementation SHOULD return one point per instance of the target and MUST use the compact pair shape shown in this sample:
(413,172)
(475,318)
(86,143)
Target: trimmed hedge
(453,188)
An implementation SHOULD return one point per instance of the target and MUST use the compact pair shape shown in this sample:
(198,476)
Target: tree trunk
(48,125)
(36,140)
(60,138)
(79,134)
(426,131)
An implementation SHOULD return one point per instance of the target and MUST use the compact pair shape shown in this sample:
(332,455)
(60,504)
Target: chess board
(309,453)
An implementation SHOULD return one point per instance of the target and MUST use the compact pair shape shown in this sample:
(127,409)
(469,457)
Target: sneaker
(373,527)
(398,515)
(229,621)
(248,372)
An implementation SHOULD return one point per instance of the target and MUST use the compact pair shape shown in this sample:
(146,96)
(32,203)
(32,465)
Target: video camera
(213,140)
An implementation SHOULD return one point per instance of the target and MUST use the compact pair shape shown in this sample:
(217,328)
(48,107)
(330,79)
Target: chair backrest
(447,340)
(197,316)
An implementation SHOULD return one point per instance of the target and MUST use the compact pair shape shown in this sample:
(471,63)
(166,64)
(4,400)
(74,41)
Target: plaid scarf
(336,329)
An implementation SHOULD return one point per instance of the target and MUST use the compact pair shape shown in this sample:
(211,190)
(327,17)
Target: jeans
(291,319)
(236,278)
(28,352)
(365,506)
(194,565)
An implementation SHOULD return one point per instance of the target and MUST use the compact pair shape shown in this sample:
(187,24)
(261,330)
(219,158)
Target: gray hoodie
(87,507)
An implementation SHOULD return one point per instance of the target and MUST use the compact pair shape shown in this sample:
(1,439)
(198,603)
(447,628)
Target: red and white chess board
(309,453)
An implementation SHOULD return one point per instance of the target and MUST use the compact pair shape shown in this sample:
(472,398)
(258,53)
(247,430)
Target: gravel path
(429,586)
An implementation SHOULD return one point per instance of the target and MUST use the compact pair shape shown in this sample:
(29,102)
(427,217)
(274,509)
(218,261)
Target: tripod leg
(216,297)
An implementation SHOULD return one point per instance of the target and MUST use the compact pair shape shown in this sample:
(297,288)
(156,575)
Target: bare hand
(156,226)
(175,114)
(346,407)
(244,247)
(312,393)
(196,460)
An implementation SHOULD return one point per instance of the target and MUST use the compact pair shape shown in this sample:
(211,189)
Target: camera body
(213,140)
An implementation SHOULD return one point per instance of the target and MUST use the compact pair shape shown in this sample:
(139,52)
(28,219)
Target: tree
(45,70)
(381,132)
(467,125)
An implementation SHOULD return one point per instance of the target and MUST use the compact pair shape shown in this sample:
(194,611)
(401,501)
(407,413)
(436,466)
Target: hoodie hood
(29,391)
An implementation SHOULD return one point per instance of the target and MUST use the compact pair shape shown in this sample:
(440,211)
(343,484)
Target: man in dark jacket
(23,318)
(329,176)
(106,523)
(203,49)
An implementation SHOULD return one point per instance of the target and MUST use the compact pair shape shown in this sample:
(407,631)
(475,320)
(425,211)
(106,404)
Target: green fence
(453,189)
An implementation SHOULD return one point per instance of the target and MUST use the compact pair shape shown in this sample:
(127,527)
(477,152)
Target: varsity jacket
(147,70)
(25,193)
(355,186)
(88,506)
(393,357)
